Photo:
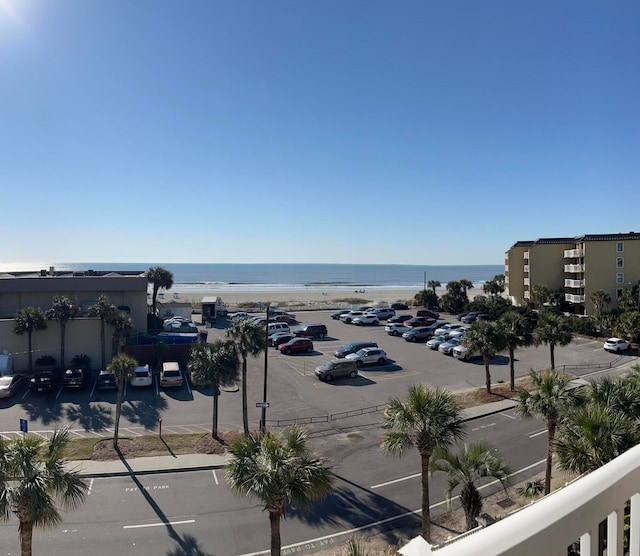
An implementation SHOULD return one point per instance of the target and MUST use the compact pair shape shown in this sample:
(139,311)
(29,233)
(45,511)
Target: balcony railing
(574,283)
(527,294)
(573,253)
(526,281)
(526,268)
(574,268)
(570,514)
(571,298)
(526,254)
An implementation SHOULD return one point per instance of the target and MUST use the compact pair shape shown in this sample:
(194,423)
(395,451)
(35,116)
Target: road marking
(533,435)
(90,487)
(161,524)
(215,477)
(510,416)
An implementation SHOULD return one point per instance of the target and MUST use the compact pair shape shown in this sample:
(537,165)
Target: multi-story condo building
(578,266)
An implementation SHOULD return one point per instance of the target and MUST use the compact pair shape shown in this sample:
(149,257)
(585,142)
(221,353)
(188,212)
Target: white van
(278,327)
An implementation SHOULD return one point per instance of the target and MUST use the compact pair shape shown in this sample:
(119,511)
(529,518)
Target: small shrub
(81,361)
(45,360)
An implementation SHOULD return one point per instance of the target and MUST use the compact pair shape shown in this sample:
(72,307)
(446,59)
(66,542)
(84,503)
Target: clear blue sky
(335,131)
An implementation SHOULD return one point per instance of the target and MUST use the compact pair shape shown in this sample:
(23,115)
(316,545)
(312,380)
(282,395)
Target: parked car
(75,378)
(446,328)
(616,345)
(297,345)
(447,347)
(348,317)
(44,381)
(10,384)
(367,318)
(274,327)
(286,318)
(417,333)
(469,317)
(282,338)
(398,306)
(337,369)
(171,375)
(368,356)
(462,352)
(435,342)
(352,347)
(396,328)
(338,314)
(383,313)
(419,321)
(483,316)
(427,313)
(272,337)
(310,330)
(399,318)
(142,377)
(106,381)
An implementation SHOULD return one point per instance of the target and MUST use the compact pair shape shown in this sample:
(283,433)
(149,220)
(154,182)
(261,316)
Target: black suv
(311,331)
(43,381)
(352,348)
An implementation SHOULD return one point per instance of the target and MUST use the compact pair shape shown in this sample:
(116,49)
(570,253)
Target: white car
(396,329)
(616,344)
(447,347)
(367,318)
(367,356)
(142,377)
(448,328)
(348,317)
(462,352)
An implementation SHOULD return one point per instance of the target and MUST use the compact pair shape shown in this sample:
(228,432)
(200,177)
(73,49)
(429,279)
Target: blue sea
(252,277)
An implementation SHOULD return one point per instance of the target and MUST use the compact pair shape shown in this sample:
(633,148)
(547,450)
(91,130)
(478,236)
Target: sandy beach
(300,298)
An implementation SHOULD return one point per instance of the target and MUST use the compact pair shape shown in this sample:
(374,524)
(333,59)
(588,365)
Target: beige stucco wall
(546,264)
(516,261)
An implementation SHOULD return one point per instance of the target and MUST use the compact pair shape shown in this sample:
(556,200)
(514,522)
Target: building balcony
(572,513)
(526,255)
(526,268)
(526,282)
(574,283)
(527,294)
(571,298)
(573,253)
(574,268)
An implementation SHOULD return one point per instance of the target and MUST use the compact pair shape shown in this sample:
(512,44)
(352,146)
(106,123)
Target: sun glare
(6,7)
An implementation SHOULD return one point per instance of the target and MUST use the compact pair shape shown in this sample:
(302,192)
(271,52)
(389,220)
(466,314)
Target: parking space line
(160,524)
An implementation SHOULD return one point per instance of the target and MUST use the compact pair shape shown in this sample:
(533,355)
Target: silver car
(418,333)
(367,356)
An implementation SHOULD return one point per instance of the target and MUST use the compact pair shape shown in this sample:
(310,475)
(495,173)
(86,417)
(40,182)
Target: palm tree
(429,419)
(540,294)
(466,285)
(124,367)
(486,338)
(433,284)
(217,364)
(122,327)
(553,330)
(29,320)
(464,469)
(35,484)
(160,278)
(549,400)
(250,339)
(516,333)
(594,434)
(600,300)
(278,473)
(63,309)
(106,312)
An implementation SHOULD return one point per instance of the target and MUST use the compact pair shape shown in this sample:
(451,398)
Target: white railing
(526,281)
(526,254)
(570,514)
(573,253)
(527,294)
(526,268)
(574,283)
(574,268)
(571,298)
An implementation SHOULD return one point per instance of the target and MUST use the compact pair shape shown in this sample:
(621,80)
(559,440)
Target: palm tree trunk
(471,504)
(214,419)
(245,415)
(30,353)
(553,356)
(551,430)
(25,530)
(512,370)
(102,341)
(274,520)
(63,328)
(487,374)
(118,410)
(426,515)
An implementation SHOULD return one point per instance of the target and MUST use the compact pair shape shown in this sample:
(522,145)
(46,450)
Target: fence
(594,366)
(325,418)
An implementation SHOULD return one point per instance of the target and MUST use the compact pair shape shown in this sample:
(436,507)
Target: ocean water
(239,277)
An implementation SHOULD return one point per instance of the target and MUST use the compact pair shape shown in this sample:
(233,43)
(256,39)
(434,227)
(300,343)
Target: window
(619,293)
(620,278)
(619,262)
(620,246)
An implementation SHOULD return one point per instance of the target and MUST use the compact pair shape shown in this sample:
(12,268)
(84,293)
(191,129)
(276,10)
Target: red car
(297,345)
(289,319)
(419,321)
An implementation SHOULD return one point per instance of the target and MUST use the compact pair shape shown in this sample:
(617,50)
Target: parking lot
(293,389)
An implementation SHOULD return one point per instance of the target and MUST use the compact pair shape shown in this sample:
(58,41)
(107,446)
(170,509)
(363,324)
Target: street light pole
(263,419)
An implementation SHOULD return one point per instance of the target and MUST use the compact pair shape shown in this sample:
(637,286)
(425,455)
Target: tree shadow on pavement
(90,417)
(143,413)
(47,411)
